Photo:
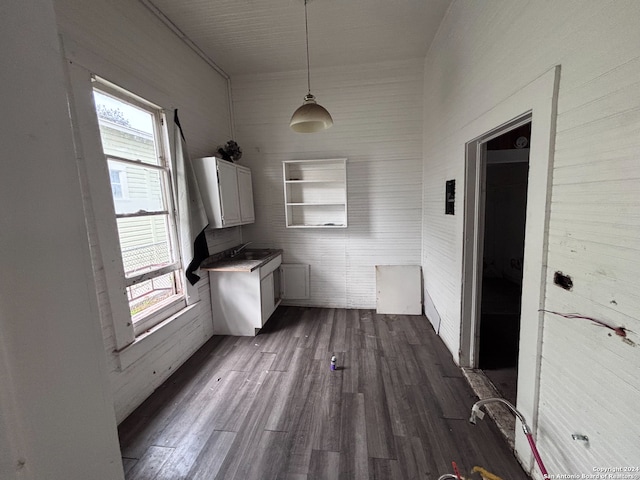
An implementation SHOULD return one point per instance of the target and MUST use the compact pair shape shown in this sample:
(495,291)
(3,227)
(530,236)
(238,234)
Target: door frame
(539,101)
(474,223)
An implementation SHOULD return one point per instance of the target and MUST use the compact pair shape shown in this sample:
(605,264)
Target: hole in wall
(562,280)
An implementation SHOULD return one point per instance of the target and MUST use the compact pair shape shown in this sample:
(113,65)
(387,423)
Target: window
(134,142)
(118,179)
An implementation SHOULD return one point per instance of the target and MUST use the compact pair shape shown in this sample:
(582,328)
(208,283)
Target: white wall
(124,43)
(56,410)
(378,114)
(127,45)
(483,53)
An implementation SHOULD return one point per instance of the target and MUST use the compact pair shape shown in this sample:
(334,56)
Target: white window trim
(157,335)
(99,204)
(155,316)
(169,307)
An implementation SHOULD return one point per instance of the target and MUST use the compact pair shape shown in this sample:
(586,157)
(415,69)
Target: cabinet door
(294,280)
(266,297)
(229,203)
(206,171)
(246,195)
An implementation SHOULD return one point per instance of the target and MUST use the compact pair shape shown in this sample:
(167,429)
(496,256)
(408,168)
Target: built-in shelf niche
(315,193)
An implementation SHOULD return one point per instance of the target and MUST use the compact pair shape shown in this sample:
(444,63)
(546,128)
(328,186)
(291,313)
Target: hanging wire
(306,28)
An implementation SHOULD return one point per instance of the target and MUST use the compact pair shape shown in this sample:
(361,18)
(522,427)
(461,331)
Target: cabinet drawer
(269,267)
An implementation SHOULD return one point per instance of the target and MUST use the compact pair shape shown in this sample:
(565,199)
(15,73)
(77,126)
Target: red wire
(620,331)
(455,469)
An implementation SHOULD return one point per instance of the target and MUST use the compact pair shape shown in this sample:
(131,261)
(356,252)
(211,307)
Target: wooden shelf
(316,203)
(315,193)
(326,225)
(313,181)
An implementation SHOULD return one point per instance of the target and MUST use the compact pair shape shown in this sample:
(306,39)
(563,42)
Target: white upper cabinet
(226,191)
(229,194)
(245,192)
(315,193)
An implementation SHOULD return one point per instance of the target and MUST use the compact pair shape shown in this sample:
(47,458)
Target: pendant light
(310,117)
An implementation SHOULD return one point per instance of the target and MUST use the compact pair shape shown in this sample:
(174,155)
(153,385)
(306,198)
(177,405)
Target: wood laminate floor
(269,407)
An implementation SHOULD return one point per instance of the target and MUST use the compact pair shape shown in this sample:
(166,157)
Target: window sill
(148,341)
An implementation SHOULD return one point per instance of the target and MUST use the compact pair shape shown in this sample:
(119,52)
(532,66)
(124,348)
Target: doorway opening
(535,103)
(506,169)
(497,178)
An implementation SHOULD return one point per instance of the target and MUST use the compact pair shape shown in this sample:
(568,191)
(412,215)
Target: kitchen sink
(253,254)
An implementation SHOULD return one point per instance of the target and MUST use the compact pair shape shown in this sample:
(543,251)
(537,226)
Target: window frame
(175,303)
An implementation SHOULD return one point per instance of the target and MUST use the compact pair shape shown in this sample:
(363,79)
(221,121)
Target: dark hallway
(506,182)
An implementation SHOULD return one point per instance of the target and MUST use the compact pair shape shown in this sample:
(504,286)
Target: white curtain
(192,218)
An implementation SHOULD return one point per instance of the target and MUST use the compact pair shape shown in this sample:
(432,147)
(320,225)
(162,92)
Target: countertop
(240,263)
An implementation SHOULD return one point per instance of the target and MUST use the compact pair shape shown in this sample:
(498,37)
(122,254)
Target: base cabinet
(242,302)
(266,296)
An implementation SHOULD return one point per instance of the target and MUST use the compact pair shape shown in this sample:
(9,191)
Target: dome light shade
(310,117)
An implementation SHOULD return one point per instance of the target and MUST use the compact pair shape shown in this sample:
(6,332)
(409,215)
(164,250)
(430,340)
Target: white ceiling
(258,36)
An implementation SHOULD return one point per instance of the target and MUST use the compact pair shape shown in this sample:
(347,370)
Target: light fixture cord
(306,27)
